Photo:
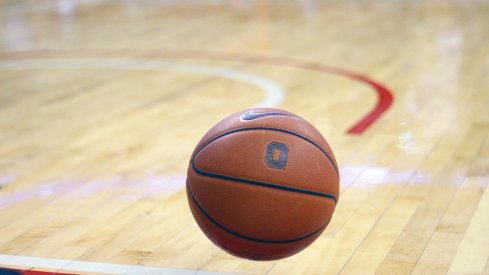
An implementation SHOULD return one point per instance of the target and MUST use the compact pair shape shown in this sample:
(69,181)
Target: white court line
(273,97)
(273,93)
(81,266)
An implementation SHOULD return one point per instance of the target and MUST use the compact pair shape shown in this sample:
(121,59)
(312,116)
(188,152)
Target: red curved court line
(32,272)
(384,95)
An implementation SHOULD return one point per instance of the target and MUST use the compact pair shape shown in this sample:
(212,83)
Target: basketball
(262,184)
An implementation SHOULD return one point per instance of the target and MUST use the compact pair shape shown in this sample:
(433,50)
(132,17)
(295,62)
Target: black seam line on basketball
(264,184)
(250,238)
(276,130)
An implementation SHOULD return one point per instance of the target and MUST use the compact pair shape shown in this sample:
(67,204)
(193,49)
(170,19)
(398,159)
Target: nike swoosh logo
(251,116)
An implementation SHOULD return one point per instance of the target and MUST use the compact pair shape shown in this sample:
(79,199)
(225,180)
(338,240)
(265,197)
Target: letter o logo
(276,155)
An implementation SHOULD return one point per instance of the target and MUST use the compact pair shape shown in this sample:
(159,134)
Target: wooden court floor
(102,103)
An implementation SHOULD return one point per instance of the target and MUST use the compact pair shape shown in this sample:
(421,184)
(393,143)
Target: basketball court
(103,102)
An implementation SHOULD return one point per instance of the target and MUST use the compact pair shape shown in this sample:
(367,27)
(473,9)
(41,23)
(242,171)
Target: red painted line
(384,95)
(11,271)
(35,272)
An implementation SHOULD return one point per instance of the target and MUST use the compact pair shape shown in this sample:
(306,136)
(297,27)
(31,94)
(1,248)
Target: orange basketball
(262,184)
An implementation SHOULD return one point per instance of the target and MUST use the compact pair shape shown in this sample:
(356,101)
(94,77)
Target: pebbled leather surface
(234,213)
